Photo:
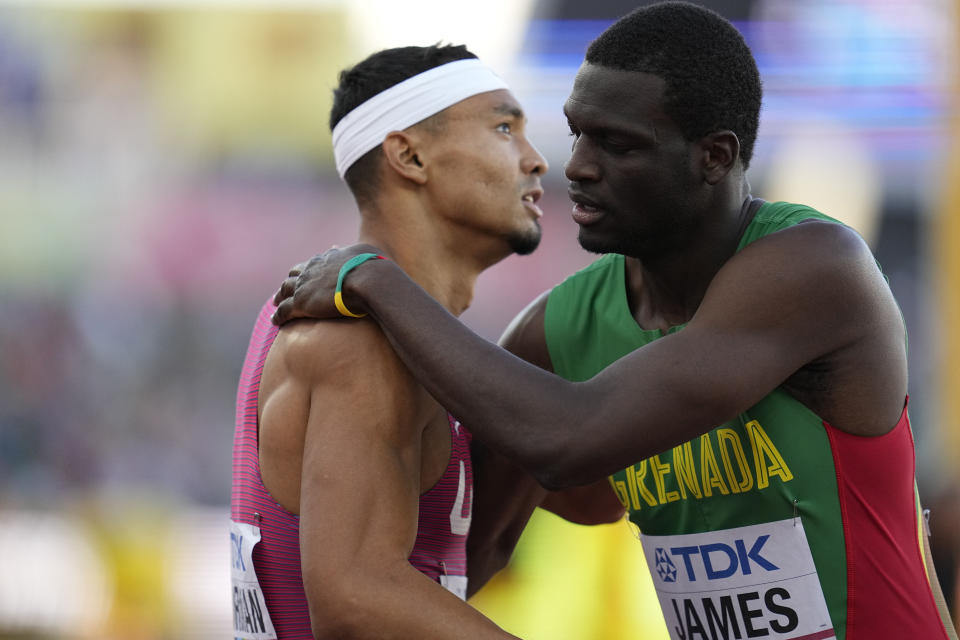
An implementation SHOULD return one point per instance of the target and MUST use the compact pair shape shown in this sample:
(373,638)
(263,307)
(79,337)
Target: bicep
(360,476)
(359,489)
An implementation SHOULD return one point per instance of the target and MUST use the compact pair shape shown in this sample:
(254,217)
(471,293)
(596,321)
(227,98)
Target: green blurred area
(227,81)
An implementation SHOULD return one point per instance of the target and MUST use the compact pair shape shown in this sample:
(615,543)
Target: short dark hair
(712,81)
(377,73)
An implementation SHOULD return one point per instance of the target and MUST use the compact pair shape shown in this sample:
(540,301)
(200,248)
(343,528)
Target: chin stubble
(526,242)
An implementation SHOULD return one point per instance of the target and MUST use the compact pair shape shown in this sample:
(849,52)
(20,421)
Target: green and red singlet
(774,524)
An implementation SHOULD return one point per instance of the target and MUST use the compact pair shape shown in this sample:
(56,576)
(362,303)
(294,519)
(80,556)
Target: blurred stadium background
(162,165)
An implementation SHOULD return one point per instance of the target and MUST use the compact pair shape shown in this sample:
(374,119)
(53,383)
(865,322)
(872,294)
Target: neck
(667,290)
(445,266)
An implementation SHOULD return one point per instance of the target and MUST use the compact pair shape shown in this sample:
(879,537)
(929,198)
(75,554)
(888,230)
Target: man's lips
(585,210)
(530,199)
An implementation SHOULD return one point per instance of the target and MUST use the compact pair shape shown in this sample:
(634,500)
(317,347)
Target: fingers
(313,278)
(285,303)
(286,290)
(282,314)
(300,267)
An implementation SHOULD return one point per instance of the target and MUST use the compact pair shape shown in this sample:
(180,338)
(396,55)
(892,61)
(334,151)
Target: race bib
(251,620)
(457,585)
(747,582)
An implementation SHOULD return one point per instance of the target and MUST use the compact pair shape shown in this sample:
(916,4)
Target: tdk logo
(665,567)
(717,560)
(237,548)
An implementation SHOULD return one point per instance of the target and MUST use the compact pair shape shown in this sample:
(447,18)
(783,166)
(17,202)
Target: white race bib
(746,582)
(457,585)
(251,620)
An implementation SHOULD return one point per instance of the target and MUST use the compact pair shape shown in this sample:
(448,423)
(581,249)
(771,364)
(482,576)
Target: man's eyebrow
(510,110)
(640,130)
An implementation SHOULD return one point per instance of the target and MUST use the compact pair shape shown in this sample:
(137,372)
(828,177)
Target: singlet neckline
(623,306)
(623,302)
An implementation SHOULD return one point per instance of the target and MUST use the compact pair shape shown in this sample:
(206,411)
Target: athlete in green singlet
(737,367)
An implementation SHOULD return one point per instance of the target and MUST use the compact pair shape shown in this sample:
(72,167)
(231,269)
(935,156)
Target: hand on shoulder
(309,289)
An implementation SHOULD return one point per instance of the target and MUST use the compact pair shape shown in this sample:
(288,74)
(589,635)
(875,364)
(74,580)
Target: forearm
(591,504)
(393,604)
(563,433)
(490,547)
(504,497)
(488,555)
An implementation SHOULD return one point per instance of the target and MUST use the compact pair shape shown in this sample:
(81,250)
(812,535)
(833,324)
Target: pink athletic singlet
(268,597)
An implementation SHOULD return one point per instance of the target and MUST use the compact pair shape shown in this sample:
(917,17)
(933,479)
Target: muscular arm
(505,495)
(360,486)
(809,292)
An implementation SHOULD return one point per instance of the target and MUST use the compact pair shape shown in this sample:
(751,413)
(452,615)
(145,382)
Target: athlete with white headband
(353,490)
(407,103)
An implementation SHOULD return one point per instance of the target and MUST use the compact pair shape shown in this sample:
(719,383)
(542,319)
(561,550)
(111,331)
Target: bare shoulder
(525,337)
(333,386)
(814,295)
(821,266)
(811,247)
(351,357)
(320,349)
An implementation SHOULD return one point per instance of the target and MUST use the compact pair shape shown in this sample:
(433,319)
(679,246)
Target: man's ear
(400,151)
(720,151)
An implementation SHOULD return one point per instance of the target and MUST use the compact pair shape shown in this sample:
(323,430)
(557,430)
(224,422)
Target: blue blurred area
(882,72)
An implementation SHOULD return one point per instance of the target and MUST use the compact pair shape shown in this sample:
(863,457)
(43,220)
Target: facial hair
(524,242)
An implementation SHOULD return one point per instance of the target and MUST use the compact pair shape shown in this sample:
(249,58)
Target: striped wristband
(344,270)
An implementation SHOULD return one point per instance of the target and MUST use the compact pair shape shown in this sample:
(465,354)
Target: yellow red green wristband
(344,270)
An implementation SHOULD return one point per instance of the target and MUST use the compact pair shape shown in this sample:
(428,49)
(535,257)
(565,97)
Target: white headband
(407,103)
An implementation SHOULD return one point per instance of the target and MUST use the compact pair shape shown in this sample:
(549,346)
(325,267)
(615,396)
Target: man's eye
(616,149)
(504,127)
